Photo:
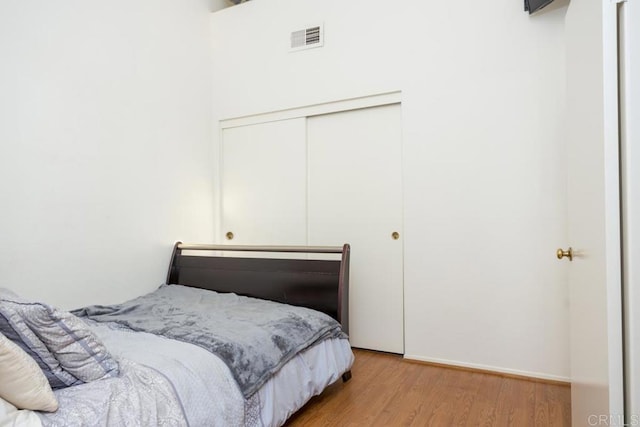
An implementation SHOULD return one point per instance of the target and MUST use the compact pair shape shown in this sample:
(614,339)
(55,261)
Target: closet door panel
(264,183)
(355,196)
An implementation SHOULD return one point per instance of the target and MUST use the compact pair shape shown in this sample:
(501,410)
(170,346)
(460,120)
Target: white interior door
(630,146)
(264,183)
(594,214)
(355,197)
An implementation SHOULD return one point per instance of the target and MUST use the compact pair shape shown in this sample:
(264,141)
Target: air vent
(308,38)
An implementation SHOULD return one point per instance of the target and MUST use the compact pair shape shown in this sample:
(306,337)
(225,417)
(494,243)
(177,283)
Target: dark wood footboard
(322,285)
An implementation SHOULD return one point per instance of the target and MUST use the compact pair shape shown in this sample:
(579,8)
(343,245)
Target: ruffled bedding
(151,379)
(254,337)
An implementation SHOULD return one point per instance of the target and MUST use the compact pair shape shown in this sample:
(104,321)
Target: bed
(226,341)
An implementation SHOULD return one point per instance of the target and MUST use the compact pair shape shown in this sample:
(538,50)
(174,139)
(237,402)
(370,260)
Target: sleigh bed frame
(322,285)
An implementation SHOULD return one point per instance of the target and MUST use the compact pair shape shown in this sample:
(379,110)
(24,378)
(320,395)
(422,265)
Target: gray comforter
(255,338)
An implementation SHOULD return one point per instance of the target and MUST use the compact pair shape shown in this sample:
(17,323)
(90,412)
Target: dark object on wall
(532,6)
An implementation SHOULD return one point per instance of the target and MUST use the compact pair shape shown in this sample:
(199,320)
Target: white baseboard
(536,375)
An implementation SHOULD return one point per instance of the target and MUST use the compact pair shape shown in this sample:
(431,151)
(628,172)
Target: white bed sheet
(303,377)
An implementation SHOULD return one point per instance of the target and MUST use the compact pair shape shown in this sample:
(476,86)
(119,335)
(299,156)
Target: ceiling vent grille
(308,38)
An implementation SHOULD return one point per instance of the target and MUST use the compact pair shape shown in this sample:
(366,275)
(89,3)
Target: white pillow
(23,383)
(10,416)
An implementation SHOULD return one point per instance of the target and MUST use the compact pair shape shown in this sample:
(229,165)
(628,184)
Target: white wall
(483,104)
(219,4)
(105,157)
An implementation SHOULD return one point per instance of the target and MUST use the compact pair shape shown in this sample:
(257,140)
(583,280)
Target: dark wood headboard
(322,285)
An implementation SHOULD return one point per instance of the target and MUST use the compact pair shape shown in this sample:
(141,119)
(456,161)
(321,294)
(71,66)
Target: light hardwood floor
(387,390)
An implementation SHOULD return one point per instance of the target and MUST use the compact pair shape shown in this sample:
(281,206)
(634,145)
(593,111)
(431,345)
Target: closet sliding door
(264,183)
(355,196)
(325,180)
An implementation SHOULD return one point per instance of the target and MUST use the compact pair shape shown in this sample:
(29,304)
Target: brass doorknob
(561,253)
(229,235)
(395,235)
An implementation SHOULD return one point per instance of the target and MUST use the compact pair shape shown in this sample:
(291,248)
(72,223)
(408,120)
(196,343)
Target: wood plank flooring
(387,390)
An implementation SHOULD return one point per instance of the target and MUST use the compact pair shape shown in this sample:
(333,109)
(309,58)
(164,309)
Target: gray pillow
(31,344)
(70,352)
